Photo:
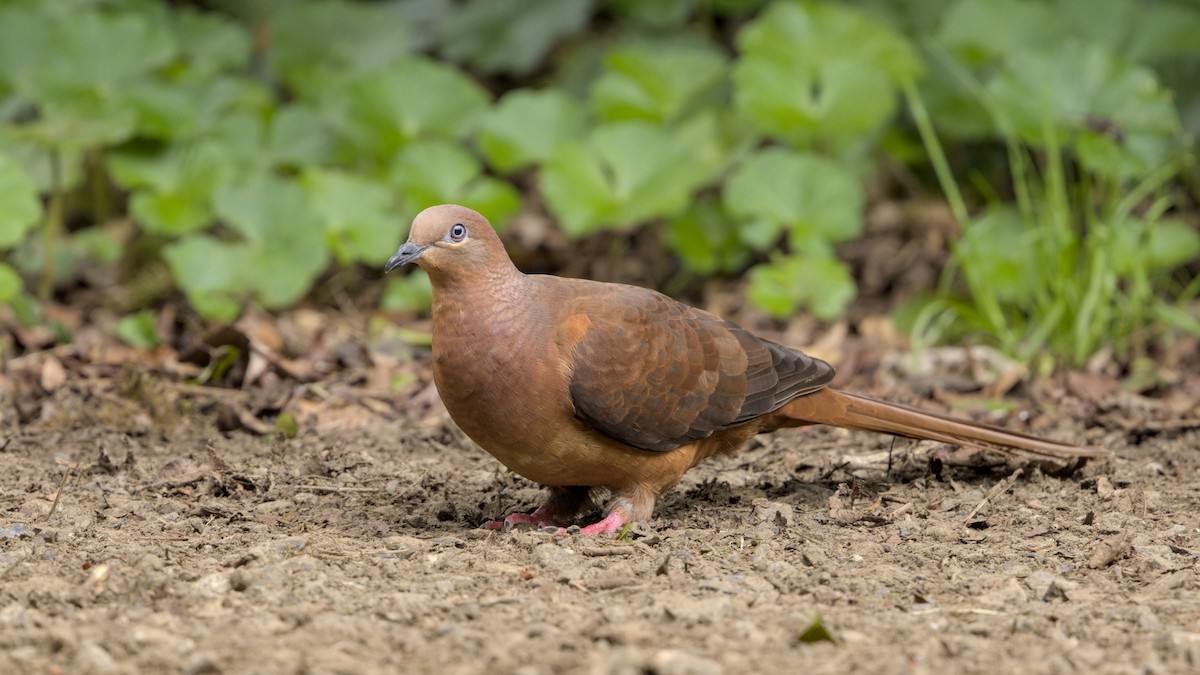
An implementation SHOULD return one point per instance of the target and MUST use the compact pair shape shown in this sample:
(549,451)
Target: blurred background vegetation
(247,151)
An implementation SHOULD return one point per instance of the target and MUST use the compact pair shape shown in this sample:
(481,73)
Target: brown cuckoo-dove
(579,385)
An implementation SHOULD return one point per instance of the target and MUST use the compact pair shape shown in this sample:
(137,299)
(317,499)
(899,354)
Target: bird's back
(655,373)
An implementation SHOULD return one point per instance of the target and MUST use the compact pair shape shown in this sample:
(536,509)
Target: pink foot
(540,518)
(610,524)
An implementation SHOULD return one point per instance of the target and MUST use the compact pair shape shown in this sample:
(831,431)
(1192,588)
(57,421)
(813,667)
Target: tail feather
(851,411)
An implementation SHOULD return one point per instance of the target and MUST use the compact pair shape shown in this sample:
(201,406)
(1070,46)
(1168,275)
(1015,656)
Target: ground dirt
(144,546)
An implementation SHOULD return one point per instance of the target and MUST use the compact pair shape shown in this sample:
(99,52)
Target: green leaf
(660,14)
(706,240)
(296,136)
(10,283)
(171,213)
(210,43)
(210,273)
(440,172)
(175,187)
(81,86)
(20,207)
(815,199)
(25,30)
(626,173)
(138,329)
(1140,32)
(356,212)
(284,247)
(819,282)
(417,99)
(431,172)
(510,37)
(289,136)
(286,424)
(998,252)
(656,83)
(81,123)
(311,41)
(983,31)
(812,71)
(816,632)
(1073,89)
(412,293)
(495,197)
(576,188)
(526,125)
(191,105)
(98,52)
(1172,243)
(100,243)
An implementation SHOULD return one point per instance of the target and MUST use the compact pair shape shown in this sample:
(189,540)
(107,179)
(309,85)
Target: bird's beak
(406,254)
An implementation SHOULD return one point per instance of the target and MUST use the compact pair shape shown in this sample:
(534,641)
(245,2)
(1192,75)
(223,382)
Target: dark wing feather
(655,374)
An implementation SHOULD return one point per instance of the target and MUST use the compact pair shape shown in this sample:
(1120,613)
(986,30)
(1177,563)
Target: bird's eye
(458,232)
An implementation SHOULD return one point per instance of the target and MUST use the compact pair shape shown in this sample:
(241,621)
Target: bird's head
(451,241)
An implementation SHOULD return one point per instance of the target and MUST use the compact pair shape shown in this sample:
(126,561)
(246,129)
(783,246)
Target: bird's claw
(539,519)
(543,522)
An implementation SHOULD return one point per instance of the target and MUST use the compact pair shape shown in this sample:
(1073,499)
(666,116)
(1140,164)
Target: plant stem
(937,156)
(54,225)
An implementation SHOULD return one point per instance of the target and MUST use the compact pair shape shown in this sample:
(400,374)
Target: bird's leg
(563,503)
(627,506)
(611,523)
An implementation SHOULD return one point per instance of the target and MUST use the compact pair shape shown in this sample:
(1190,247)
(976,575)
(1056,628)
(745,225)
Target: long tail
(843,409)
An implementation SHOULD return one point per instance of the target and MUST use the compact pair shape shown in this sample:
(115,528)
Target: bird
(593,388)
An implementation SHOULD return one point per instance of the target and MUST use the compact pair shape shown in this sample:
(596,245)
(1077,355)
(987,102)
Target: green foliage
(1079,259)
(411,293)
(820,73)
(357,213)
(814,201)
(313,42)
(138,329)
(525,126)
(820,282)
(435,172)
(510,37)
(656,84)
(815,632)
(625,173)
(1059,275)
(19,206)
(255,144)
(707,240)
(414,98)
(19,212)
(172,189)
(1120,122)
(10,284)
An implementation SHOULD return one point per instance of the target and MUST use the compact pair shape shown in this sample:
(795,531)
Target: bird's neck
(494,302)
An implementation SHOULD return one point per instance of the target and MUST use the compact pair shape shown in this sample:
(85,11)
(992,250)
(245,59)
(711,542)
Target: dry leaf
(1109,550)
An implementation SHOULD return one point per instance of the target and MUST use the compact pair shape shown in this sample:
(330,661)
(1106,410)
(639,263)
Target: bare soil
(129,546)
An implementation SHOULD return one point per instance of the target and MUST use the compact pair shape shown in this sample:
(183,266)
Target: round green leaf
(525,126)
(20,208)
(625,174)
(820,283)
(10,283)
(820,71)
(357,214)
(656,83)
(815,199)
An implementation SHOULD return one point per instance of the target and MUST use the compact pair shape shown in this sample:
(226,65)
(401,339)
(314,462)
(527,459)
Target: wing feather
(655,373)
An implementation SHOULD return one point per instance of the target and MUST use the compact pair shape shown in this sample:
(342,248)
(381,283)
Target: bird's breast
(504,385)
